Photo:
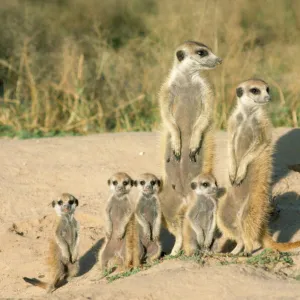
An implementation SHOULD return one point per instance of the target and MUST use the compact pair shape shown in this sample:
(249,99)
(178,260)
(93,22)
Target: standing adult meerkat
(186,106)
(243,214)
(148,214)
(63,254)
(121,238)
(201,212)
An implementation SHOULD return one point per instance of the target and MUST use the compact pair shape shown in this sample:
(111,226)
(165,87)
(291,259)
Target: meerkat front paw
(193,153)
(240,176)
(176,148)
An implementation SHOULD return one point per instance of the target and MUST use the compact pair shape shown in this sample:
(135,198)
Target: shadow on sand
(90,258)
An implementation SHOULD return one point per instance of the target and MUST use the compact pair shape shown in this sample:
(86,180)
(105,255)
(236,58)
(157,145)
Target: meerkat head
(120,183)
(205,184)
(65,205)
(253,92)
(148,184)
(193,56)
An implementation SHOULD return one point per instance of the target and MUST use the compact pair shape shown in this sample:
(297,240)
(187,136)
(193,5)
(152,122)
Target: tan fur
(121,236)
(200,216)
(186,106)
(63,250)
(243,213)
(148,215)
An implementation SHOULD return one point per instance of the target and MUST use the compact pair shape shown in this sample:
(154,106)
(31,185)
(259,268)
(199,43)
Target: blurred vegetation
(79,66)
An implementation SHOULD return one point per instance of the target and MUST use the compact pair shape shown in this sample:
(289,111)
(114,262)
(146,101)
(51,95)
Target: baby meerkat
(200,221)
(243,214)
(186,106)
(120,224)
(63,255)
(148,214)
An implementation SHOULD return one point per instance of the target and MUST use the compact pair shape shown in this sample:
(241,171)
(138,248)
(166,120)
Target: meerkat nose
(267,98)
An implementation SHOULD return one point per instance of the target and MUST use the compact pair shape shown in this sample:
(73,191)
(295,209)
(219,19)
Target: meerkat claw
(177,155)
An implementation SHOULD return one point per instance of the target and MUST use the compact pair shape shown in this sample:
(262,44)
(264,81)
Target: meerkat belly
(117,215)
(187,110)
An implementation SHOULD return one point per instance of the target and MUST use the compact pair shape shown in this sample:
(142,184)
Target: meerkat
(121,238)
(186,106)
(200,218)
(63,254)
(244,211)
(148,214)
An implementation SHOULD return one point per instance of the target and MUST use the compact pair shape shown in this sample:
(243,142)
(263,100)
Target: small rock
(142,153)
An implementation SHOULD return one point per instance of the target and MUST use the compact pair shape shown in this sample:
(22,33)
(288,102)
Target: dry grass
(91,66)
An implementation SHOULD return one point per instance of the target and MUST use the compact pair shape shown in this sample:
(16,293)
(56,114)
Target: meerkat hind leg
(238,248)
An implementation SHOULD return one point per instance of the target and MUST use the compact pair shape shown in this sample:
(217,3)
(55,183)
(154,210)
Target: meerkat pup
(120,224)
(186,106)
(148,214)
(63,255)
(243,213)
(200,218)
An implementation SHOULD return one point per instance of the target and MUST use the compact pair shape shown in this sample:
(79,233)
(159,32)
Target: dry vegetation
(83,66)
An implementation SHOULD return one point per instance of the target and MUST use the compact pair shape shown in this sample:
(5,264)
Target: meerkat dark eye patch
(125,183)
(115,182)
(202,52)
(60,202)
(205,184)
(268,90)
(142,182)
(180,55)
(255,91)
(239,92)
(193,185)
(152,182)
(71,202)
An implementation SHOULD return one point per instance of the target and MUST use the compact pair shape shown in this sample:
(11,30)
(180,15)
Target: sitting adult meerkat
(148,214)
(63,254)
(121,238)
(200,218)
(186,106)
(244,212)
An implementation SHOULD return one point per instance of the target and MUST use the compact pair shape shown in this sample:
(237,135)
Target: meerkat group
(185,200)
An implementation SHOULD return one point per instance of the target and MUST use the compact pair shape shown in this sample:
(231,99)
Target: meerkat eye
(193,185)
(115,182)
(255,91)
(60,202)
(268,90)
(142,182)
(152,182)
(205,184)
(202,53)
(125,183)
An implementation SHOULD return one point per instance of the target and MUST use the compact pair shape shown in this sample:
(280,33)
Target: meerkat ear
(132,182)
(193,185)
(239,92)
(76,202)
(158,182)
(53,203)
(135,183)
(108,181)
(180,55)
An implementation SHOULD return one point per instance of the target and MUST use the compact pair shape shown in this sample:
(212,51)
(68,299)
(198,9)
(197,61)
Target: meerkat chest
(69,233)
(148,209)
(246,130)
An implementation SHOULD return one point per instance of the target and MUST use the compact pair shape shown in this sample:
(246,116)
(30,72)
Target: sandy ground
(34,172)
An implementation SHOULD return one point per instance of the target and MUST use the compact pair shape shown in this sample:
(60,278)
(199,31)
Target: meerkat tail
(36,282)
(268,242)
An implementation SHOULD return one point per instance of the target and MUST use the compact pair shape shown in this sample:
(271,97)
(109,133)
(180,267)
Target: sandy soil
(34,172)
